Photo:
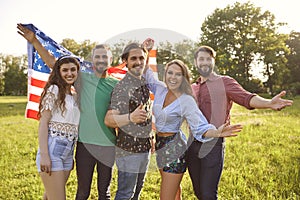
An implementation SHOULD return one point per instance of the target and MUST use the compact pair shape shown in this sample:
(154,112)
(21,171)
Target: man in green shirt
(96,142)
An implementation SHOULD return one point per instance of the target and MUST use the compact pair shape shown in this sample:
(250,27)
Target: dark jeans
(87,156)
(205,165)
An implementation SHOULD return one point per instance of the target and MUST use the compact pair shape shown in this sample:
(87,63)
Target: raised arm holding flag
(96,141)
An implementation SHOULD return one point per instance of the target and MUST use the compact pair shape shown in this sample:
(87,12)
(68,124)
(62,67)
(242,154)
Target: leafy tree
(256,85)
(15,78)
(186,49)
(2,70)
(167,51)
(82,49)
(239,34)
(117,49)
(273,54)
(293,64)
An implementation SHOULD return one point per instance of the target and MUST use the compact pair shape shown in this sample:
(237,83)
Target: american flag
(38,71)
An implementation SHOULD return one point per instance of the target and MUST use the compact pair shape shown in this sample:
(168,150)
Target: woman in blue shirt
(174,103)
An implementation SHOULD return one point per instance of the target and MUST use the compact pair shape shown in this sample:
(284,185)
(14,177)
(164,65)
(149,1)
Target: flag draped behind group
(38,71)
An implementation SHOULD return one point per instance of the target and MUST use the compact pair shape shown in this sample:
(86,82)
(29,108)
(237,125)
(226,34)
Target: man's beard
(136,72)
(204,73)
(101,67)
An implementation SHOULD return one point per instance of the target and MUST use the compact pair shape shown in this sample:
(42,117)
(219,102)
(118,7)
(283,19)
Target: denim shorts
(61,152)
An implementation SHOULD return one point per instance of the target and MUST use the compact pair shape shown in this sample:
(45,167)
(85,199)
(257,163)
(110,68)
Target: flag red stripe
(116,70)
(152,53)
(32,114)
(38,83)
(34,98)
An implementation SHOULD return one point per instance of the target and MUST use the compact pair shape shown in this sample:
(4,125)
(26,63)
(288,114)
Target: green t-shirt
(95,96)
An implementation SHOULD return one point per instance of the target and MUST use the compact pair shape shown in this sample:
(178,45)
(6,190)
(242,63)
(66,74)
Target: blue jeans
(131,174)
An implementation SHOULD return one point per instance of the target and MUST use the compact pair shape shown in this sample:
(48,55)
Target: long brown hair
(56,79)
(185,86)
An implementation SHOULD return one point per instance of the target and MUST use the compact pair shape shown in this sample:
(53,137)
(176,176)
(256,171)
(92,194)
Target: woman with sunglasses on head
(58,127)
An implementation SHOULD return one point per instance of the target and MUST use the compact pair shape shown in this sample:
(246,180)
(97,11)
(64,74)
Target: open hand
(26,33)
(148,44)
(277,103)
(227,130)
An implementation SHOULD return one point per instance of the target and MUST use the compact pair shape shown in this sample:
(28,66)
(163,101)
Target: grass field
(262,163)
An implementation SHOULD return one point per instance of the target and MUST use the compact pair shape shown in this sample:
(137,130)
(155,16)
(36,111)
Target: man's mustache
(134,66)
(101,63)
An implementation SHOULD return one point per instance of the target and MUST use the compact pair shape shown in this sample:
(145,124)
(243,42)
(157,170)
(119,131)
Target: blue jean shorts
(61,151)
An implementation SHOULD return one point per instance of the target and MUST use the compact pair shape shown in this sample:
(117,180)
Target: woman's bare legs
(55,184)
(170,184)
(178,194)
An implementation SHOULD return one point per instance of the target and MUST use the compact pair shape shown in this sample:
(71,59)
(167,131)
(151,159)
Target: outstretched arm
(48,58)
(225,130)
(276,103)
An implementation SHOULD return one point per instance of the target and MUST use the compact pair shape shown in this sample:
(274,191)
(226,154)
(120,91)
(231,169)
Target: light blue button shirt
(170,118)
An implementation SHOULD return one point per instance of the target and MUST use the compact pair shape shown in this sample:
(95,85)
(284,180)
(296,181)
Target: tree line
(245,38)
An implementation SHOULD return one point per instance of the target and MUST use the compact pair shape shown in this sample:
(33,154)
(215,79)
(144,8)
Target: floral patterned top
(62,124)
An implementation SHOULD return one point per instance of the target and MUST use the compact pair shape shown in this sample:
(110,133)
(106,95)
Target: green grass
(263,162)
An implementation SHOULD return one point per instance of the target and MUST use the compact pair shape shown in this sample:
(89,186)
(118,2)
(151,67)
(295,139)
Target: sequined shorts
(171,153)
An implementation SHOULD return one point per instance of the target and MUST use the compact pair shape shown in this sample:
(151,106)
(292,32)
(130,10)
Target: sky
(105,21)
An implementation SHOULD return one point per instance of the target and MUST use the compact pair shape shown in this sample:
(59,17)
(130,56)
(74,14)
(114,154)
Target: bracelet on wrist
(129,117)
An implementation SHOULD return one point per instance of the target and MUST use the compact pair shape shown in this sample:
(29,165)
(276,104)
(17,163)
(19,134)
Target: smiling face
(204,63)
(174,77)
(177,77)
(136,62)
(100,60)
(69,72)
